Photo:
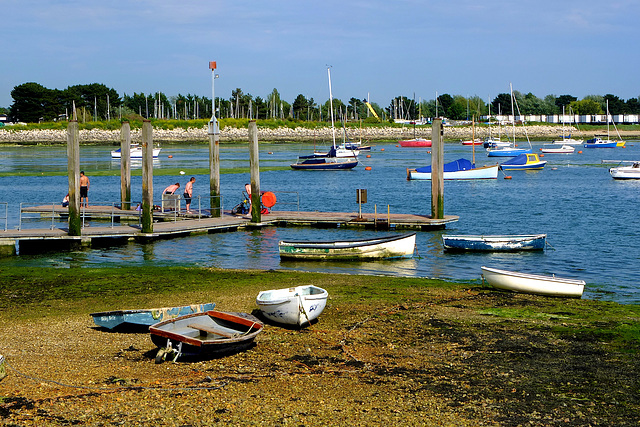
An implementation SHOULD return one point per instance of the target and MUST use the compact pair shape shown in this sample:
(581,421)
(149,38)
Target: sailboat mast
(513,114)
(473,139)
(333,129)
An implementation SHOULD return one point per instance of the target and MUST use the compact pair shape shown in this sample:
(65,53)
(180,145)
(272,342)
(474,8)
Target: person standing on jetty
(188,193)
(84,189)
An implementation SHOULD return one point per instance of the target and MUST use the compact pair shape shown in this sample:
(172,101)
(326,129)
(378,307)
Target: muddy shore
(229,134)
(382,353)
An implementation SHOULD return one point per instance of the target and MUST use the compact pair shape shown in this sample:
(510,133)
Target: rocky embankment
(229,134)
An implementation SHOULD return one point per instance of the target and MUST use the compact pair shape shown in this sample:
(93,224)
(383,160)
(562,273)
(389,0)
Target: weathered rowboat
(293,306)
(3,369)
(145,317)
(497,243)
(533,283)
(202,334)
(397,246)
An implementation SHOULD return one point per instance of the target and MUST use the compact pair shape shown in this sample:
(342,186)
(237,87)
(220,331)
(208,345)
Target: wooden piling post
(147,177)
(73,170)
(254,166)
(125,166)
(437,165)
(214,168)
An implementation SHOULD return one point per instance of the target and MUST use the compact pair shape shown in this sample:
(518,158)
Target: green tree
(32,102)
(586,107)
(501,104)
(563,100)
(300,106)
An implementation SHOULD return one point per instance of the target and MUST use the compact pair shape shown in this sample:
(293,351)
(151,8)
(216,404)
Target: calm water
(591,220)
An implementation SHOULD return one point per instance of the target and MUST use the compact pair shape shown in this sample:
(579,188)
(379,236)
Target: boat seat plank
(210,330)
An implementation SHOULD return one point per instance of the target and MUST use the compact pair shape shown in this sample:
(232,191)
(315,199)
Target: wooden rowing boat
(397,246)
(497,243)
(203,334)
(143,318)
(532,283)
(299,305)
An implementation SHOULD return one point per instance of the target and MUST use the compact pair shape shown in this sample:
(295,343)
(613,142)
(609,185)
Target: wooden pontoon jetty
(105,226)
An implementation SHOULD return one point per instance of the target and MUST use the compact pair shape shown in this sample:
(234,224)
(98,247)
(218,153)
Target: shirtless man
(188,193)
(172,188)
(84,189)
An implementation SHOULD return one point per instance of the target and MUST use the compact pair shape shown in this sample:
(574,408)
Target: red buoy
(368,155)
(170,156)
(368,168)
(580,152)
(507,177)
(541,155)
(382,149)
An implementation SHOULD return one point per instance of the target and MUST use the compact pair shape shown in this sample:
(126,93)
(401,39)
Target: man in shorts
(188,193)
(84,189)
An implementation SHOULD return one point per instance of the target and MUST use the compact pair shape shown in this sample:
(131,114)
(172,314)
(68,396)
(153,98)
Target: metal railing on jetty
(54,215)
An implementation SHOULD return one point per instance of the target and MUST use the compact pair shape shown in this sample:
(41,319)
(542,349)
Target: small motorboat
(497,243)
(205,334)
(554,149)
(135,152)
(528,161)
(626,172)
(144,318)
(533,283)
(299,305)
(396,246)
(3,369)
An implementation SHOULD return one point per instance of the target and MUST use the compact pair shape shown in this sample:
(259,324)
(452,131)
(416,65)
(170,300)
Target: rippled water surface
(591,220)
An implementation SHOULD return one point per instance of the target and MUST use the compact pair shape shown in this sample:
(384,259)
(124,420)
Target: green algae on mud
(425,350)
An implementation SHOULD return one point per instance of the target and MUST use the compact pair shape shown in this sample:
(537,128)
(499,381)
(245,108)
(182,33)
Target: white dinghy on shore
(299,305)
(532,283)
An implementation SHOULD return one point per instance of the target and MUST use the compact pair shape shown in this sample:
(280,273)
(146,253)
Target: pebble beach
(230,134)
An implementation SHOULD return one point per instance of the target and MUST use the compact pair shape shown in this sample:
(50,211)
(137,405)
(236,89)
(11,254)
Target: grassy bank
(385,351)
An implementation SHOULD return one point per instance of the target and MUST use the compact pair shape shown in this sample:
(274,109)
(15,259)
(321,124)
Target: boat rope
(546,242)
(94,388)
(415,248)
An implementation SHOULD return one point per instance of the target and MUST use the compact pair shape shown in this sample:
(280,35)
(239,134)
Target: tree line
(33,102)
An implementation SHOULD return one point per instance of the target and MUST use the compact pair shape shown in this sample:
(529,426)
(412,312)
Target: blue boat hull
(145,317)
(509,153)
(507,243)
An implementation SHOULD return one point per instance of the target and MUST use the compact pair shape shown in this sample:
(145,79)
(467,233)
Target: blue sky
(380,48)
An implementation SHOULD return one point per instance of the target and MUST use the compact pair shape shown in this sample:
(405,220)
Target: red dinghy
(416,142)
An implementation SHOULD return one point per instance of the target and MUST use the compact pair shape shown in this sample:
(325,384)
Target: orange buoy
(397,145)
(368,168)
(541,155)
(382,149)
(580,152)
(270,152)
(170,156)
(507,177)
(268,199)
(428,152)
(368,155)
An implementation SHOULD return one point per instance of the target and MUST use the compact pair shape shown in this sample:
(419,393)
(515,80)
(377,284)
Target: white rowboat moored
(533,283)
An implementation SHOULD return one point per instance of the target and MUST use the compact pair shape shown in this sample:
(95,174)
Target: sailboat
(598,142)
(491,141)
(511,150)
(458,169)
(417,142)
(566,139)
(330,161)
